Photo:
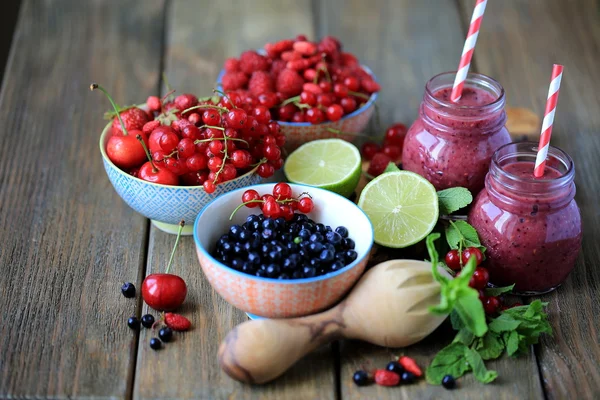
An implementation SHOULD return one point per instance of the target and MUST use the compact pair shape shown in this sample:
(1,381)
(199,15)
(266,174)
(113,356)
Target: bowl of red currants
(169,157)
(315,90)
(282,250)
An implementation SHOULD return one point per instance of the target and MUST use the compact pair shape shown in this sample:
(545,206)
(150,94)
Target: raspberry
(185,101)
(410,365)
(154,103)
(289,82)
(232,64)
(234,80)
(276,67)
(329,45)
(378,164)
(298,65)
(274,49)
(134,119)
(386,378)
(150,126)
(260,82)
(177,322)
(305,48)
(291,56)
(251,61)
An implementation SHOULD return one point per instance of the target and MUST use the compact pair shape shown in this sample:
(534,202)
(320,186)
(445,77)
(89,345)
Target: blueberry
(351,256)
(305,254)
(286,237)
(395,367)
(165,334)
(222,239)
(408,377)
(148,320)
(321,228)
(244,235)
(316,237)
(341,256)
(252,218)
(300,217)
(234,231)
(308,226)
(342,230)
(155,343)
(315,263)
(227,247)
(334,238)
(261,273)
(297,274)
(226,259)
(308,272)
(237,263)
(348,244)
(292,247)
(261,217)
(133,323)
(253,258)
(304,234)
(360,378)
(449,382)
(273,270)
(275,256)
(268,224)
(267,234)
(328,229)
(283,276)
(238,249)
(128,290)
(315,247)
(330,247)
(290,263)
(279,223)
(336,265)
(248,268)
(327,256)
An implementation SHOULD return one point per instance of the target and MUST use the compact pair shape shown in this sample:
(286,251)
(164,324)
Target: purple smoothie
(531,228)
(451,144)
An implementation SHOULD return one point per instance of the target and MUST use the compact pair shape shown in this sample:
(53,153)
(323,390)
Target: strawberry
(251,61)
(260,82)
(232,65)
(410,365)
(185,101)
(289,82)
(386,378)
(150,126)
(305,48)
(177,322)
(234,80)
(134,119)
(378,164)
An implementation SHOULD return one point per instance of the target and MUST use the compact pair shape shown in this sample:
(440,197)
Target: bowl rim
(119,170)
(348,267)
(354,113)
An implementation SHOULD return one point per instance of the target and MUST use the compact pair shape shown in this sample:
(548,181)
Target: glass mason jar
(451,144)
(530,227)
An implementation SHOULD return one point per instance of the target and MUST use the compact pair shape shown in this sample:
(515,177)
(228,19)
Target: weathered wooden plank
(67,240)
(537,34)
(408,43)
(198,41)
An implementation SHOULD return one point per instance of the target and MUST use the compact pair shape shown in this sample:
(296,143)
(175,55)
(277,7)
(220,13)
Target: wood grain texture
(199,38)
(408,44)
(570,36)
(67,241)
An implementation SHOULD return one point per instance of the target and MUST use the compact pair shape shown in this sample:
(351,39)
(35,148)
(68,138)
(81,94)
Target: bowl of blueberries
(296,264)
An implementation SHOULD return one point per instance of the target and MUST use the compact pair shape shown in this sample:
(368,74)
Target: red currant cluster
(191,141)
(300,80)
(455,261)
(390,151)
(281,203)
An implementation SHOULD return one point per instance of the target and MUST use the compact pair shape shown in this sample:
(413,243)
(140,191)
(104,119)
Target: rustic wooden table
(68,241)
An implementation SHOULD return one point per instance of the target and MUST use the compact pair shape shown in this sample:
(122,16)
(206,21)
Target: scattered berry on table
(148,320)
(361,378)
(133,323)
(386,378)
(177,322)
(155,344)
(410,365)
(395,367)
(165,334)
(408,377)
(449,382)
(378,164)
(128,290)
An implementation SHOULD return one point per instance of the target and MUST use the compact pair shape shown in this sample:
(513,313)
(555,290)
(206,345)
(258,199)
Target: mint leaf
(481,373)
(462,233)
(497,291)
(391,167)
(464,336)
(504,323)
(511,340)
(490,346)
(469,308)
(457,323)
(449,361)
(454,199)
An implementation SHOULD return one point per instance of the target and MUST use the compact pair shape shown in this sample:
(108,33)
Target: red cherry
(309,98)
(325,99)
(154,139)
(315,116)
(480,278)
(352,83)
(305,205)
(472,251)
(335,112)
(250,195)
(378,164)
(282,191)
(126,151)
(491,305)
(168,142)
(162,175)
(340,90)
(369,149)
(392,151)
(265,170)
(348,104)
(453,260)
(286,112)
(164,292)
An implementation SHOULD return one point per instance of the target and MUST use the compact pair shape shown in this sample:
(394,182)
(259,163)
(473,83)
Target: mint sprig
(454,199)
(460,235)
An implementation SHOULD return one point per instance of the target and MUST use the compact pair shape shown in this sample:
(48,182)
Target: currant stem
(226,96)
(141,140)
(181,225)
(358,94)
(242,205)
(290,100)
(225,156)
(213,127)
(94,86)
(218,138)
(170,92)
(223,109)
(166,81)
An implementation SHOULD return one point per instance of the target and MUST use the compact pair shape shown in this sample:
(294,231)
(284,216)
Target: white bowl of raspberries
(313,89)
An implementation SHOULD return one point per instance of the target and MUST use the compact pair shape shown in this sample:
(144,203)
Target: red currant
(282,191)
(186,148)
(268,99)
(241,159)
(168,142)
(395,135)
(216,146)
(191,132)
(211,117)
(272,152)
(298,117)
(236,118)
(315,116)
(213,133)
(335,112)
(453,260)
(214,163)
(286,212)
(491,305)
(262,114)
(369,149)
(196,162)
(274,128)
(392,151)
(229,172)
(308,98)
(305,205)
(472,251)
(378,164)
(251,195)
(209,186)
(271,209)
(286,112)
(325,99)
(195,118)
(480,278)
(326,86)
(176,166)
(265,170)
(352,83)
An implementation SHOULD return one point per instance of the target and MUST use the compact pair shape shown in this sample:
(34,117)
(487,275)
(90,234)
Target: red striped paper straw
(540,160)
(467,54)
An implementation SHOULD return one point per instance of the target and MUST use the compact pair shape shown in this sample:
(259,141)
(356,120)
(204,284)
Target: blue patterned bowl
(166,205)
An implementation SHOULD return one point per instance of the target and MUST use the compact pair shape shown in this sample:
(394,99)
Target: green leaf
(391,167)
(457,323)
(461,232)
(433,255)
(464,336)
(470,310)
(511,340)
(454,199)
(491,347)
(481,373)
(503,323)
(497,291)
(449,361)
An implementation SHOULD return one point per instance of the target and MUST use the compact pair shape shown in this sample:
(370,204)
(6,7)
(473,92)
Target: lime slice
(402,206)
(331,164)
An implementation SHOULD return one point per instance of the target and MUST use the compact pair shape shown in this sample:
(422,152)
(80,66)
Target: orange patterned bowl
(273,298)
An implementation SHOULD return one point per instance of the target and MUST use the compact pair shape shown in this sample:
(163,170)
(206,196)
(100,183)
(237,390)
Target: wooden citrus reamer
(388,307)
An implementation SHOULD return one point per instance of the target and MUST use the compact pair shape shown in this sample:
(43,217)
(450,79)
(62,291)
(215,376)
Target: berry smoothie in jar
(451,144)
(530,227)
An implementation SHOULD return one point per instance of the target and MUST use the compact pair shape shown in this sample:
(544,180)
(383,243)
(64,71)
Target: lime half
(331,164)
(402,206)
